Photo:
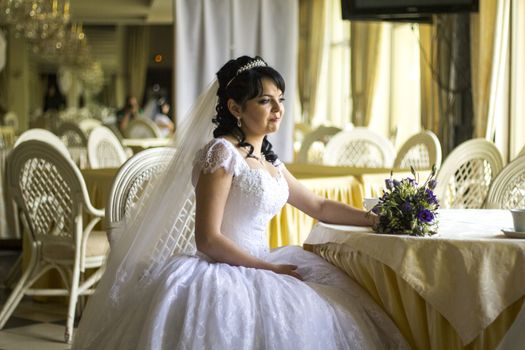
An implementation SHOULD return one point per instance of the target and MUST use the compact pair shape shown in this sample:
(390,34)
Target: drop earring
(239,122)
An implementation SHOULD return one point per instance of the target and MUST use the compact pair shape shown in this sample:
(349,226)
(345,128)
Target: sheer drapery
(430,116)
(333,104)
(313,40)
(395,108)
(209,33)
(517,107)
(364,46)
(482,26)
(444,82)
(3,74)
(497,119)
(137,57)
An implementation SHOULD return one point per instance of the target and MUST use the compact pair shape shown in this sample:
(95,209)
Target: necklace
(260,159)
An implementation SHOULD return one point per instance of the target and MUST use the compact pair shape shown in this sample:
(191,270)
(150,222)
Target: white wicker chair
(507,191)
(420,151)
(11,119)
(464,179)
(88,124)
(131,180)
(50,195)
(13,226)
(75,140)
(359,147)
(313,144)
(45,136)
(522,152)
(142,128)
(104,149)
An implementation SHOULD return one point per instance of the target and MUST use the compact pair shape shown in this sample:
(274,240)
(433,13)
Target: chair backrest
(44,136)
(11,119)
(71,134)
(359,147)
(75,140)
(104,149)
(319,136)
(49,190)
(142,128)
(7,137)
(113,127)
(88,124)
(464,179)
(507,191)
(522,152)
(420,151)
(132,178)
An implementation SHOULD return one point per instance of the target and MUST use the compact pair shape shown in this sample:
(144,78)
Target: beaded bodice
(254,198)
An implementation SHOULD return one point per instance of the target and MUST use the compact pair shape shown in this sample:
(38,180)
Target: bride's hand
(286,269)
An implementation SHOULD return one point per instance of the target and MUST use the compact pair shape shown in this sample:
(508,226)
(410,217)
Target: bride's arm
(323,209)
(211,193)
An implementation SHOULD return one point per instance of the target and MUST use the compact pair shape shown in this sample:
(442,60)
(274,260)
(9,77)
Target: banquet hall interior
(93,93)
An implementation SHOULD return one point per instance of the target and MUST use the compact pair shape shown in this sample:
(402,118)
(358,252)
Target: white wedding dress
(199,304)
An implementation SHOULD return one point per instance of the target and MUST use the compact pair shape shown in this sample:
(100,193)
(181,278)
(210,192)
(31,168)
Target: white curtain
(209,33)
(497,123)
(517,105)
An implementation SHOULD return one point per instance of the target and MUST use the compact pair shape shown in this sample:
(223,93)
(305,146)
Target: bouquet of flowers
(407,207)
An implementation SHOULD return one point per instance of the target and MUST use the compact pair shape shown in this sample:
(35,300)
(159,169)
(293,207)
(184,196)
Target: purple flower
(432,184)
(412,182)
(389,184)
(406,206)
(425,215)
(431,197)
(396,183)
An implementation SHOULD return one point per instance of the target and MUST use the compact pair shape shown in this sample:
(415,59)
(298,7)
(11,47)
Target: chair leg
(17,294)
(13,272)
(73,298)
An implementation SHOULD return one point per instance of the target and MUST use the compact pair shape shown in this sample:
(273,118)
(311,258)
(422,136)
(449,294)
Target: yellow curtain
(482,29)
(430,117)
(435,66)
(3,77)
(364,46)
(312,21)
(137,58)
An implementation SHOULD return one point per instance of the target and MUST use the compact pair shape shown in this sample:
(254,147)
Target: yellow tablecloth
(138,145)
(290,226)
(372,179)
(98,183)
(461,288)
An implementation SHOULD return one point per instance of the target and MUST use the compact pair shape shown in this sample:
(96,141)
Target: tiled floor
(33,325)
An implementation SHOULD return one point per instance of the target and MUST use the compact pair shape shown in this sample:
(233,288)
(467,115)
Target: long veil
(149,236)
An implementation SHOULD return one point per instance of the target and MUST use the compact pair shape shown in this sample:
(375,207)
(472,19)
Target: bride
(226,289)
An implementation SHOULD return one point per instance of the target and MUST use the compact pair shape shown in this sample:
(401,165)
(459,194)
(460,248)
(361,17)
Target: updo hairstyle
(241,87)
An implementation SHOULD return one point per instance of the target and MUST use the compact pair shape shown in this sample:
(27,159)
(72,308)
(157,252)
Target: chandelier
(35,20)
(44,24)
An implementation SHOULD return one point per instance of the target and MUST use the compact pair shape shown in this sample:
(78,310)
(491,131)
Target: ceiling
(122,11)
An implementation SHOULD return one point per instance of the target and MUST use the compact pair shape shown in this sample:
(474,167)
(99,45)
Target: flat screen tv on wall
(403,10)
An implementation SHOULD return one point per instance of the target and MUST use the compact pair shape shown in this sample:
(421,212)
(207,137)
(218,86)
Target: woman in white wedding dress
(233,292)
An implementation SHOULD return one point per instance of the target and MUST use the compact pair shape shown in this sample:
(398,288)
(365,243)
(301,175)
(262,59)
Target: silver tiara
(257,63)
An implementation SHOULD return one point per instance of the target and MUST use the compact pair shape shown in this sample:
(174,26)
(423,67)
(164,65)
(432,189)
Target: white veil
(143,242)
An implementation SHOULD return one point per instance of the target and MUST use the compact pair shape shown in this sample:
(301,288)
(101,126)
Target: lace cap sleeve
(218,153)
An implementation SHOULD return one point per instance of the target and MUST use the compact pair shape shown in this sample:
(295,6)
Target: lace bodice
(255,195)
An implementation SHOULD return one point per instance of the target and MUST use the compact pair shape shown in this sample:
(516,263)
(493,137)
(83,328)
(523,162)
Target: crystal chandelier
(35,20)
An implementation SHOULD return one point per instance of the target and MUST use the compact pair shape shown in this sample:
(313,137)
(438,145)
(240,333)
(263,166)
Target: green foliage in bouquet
(407,207)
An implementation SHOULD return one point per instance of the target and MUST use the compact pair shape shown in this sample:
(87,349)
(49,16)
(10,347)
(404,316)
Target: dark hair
(241,88)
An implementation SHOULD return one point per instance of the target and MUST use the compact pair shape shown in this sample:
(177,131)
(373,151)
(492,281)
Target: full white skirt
(196,304)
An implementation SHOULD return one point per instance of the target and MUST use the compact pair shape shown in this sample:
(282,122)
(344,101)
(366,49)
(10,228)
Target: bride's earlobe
(234,108)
